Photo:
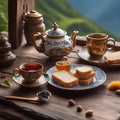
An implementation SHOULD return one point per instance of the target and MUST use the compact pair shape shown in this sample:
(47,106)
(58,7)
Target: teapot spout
(73,37)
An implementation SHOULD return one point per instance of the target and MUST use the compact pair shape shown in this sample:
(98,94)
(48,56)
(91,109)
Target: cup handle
(16,72)
(112,40)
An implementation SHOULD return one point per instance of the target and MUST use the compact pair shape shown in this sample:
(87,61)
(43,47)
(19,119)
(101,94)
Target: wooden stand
(16,8)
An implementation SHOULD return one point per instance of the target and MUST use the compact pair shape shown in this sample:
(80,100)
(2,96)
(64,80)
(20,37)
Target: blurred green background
(59,11)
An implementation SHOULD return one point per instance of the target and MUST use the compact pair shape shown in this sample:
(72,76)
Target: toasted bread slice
(86,82)
(86,76)
(83,70)
(65,78)
(113,58)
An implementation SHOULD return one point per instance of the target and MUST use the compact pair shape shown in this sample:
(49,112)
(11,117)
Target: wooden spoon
(42,96)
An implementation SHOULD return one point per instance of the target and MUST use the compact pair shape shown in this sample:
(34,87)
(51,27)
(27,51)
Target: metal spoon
(42,96)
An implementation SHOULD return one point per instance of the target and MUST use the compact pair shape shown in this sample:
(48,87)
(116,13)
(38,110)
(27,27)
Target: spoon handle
(22,98)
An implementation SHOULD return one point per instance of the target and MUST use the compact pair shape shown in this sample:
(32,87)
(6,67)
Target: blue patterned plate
(99,79)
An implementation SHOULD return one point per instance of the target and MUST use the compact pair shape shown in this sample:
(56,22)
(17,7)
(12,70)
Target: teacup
(97,44)
(30,71)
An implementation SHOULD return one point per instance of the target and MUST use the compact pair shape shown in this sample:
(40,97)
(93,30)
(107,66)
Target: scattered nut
(79,108)
(89,113)
(118,91)
(71,102)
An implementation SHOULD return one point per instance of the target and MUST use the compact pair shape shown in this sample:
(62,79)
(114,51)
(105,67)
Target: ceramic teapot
(55,43)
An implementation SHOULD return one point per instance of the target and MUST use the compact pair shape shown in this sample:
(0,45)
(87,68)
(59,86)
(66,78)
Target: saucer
(84,55)
(41,81)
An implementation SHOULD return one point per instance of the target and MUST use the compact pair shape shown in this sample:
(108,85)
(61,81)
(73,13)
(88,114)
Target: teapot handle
(38,41)
(36,35)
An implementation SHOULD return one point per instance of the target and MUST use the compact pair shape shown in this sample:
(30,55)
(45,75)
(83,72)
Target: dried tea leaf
(5,83)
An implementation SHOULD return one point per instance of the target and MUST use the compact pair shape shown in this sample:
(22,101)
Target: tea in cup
(30,71)
(63,65)
(97,44)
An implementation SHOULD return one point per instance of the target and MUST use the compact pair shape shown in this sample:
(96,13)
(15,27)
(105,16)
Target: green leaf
(5,83)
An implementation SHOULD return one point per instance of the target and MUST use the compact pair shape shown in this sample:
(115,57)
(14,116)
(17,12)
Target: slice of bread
(86,76)
(86,82)
(65,78)
(83,70)
(112,58)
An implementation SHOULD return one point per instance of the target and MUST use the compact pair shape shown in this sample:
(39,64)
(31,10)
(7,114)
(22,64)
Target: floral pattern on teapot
(58,47)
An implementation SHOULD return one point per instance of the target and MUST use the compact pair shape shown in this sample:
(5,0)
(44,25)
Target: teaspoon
(42,96)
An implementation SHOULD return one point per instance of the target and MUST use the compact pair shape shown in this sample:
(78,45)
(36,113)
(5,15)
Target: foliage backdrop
(3,15)
(59,11)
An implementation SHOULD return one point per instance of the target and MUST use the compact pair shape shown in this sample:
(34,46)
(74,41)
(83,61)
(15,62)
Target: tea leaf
(5,83)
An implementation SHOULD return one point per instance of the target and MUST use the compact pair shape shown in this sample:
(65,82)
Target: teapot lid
(33,13)
(55,31)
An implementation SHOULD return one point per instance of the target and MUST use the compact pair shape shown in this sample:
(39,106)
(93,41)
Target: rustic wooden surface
(104,103)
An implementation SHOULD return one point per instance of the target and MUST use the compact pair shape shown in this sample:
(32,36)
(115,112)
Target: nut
(71,102)
(89,113)
(79,108)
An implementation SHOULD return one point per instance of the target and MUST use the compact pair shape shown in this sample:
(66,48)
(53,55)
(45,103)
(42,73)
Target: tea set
(54,43)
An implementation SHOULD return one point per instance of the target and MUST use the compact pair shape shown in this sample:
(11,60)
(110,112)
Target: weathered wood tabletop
(104,103)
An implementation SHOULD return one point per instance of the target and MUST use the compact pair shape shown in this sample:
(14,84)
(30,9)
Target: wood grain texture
(104,103)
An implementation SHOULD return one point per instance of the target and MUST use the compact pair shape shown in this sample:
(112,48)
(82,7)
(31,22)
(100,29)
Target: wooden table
(104,103)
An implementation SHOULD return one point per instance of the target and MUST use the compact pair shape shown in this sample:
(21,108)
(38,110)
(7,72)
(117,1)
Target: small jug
(33,23)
